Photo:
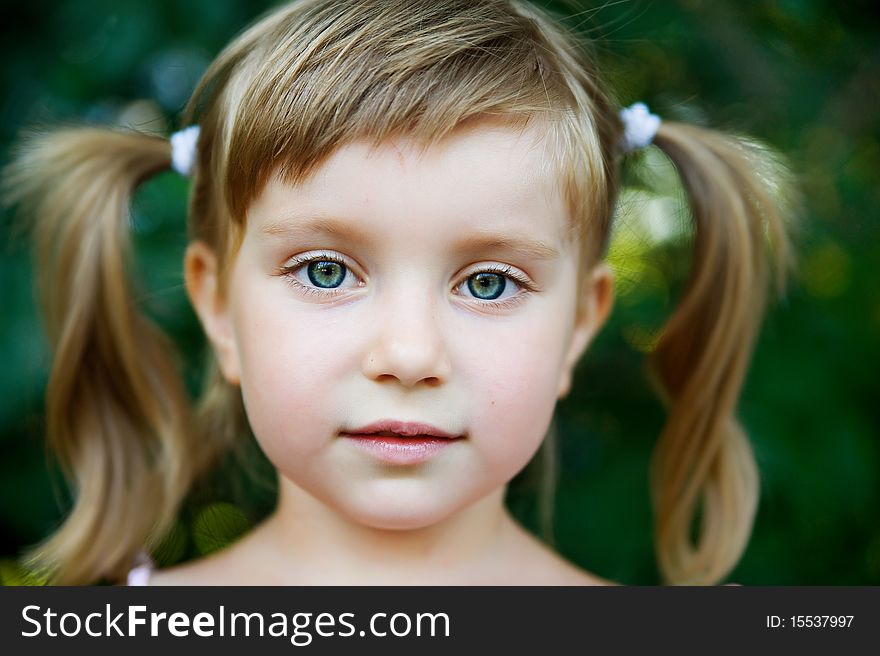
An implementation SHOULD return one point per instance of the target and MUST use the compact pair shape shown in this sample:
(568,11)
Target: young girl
(398,218)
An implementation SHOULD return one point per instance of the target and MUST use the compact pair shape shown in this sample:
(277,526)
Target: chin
(398,512)
(399,523)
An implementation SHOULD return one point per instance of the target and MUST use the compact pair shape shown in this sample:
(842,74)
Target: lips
(401,443)
(395,428)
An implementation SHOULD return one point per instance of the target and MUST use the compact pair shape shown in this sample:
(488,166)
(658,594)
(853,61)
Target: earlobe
(200,277)
(594,308)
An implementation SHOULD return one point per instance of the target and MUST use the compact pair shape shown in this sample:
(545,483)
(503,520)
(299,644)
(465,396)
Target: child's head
(436,287)
(399,211)
(419,158)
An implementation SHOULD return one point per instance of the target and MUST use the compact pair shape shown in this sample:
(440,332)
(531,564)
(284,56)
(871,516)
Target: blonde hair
(308,77)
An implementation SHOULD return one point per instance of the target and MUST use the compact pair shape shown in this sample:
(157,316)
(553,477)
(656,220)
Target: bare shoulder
(210,570)
(544,566)
(224,567)
(561,572)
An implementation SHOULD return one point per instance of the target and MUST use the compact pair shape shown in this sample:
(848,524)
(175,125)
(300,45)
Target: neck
(315,544)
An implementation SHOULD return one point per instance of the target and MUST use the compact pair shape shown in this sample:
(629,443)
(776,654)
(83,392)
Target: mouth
(397,443)
(394,429)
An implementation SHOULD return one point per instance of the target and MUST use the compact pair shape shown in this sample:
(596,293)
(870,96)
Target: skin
(404,337)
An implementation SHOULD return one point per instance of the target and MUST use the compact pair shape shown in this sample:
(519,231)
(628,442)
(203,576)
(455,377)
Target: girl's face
(438,289)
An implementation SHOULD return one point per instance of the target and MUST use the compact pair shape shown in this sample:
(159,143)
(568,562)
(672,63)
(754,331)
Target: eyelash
(288,271)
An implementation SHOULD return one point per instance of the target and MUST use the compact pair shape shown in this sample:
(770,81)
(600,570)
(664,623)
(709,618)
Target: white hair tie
(639,127)
(183,149)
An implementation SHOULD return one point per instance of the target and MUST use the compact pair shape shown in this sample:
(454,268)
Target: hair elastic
(183,149)
(639,127)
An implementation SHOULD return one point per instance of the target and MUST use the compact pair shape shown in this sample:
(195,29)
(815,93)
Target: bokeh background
(800,75)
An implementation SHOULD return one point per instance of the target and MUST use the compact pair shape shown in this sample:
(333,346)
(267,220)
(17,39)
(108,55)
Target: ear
(594,306)
(200,275)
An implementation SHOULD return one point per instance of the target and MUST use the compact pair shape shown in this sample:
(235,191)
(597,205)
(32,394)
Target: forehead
(481,177)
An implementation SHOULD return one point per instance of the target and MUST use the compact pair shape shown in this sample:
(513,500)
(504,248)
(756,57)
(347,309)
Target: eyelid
(312,256)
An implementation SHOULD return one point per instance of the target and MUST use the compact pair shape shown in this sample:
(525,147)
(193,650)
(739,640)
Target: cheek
(514,388)
(287,379)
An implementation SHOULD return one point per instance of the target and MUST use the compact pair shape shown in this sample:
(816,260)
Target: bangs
(372,72)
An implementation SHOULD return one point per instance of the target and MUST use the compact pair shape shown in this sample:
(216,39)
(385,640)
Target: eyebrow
(294,227)
(486,241)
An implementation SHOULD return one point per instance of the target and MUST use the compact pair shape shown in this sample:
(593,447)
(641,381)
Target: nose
(408,342)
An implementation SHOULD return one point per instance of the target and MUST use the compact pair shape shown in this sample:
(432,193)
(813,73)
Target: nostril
(432,381)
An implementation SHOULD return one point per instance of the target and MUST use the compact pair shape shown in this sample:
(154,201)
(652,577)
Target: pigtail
(117,415)
(703,475)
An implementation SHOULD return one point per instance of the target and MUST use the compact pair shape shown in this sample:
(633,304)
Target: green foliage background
(801,75)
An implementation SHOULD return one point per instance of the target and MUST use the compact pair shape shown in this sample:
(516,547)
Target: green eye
(326,273)
(486,286)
